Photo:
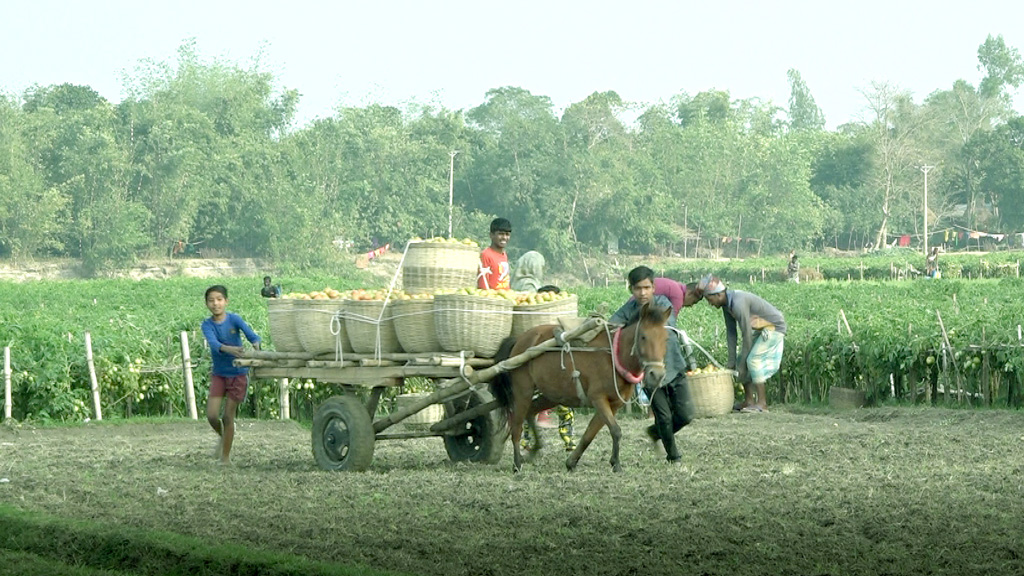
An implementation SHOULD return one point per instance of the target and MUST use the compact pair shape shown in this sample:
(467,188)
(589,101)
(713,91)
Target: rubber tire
(483,439)
(343,435)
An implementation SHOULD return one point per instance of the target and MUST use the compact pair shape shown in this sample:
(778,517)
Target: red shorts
(234,387)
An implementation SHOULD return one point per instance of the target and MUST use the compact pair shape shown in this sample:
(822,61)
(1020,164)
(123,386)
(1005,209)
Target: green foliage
(204,151)
(136,325)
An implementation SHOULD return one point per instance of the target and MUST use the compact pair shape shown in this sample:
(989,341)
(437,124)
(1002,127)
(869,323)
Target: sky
(450,53)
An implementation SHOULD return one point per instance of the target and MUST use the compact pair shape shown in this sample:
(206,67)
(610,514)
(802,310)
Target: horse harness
(566,347)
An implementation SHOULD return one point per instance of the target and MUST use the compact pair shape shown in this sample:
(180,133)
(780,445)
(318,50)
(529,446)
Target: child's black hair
(216,288)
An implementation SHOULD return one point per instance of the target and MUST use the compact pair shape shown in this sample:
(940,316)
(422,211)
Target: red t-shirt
(674,291)
(494,270)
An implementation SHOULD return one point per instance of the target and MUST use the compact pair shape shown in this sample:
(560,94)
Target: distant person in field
(223,331)
(494,269)
(270,290)
(931,267)
(670,401)
(528,272)
(793,268)
(763,329)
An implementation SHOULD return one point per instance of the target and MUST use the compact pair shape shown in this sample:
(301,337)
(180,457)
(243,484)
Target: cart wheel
(481,439)
(342,435)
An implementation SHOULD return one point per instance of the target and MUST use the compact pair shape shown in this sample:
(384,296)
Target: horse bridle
(635,351)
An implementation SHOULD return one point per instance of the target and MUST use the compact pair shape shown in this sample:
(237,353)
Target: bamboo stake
(453,386)
(945,339)
(186,373)
(92,377)
(7,382)
(283,399)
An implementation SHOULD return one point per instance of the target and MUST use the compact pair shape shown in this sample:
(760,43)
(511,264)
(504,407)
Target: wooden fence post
(283,397)
(7,382)
(186,370)
(92,377)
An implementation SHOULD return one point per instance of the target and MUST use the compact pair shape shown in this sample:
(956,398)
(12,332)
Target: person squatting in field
(763,328)
(527,278)
(671,401)
(223,331)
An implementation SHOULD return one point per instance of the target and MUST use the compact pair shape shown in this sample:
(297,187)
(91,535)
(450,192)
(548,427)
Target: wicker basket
(476,323)
(281,317)
(319,326)
(432,266)
(528,316)
(364,330)
(415,326)
(845,398)
(712,393)
(424,418)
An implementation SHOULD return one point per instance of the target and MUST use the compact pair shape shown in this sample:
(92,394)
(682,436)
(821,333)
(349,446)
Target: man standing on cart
(494,269)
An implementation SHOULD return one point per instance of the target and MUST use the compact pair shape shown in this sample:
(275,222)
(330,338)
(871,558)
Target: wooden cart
(344,429)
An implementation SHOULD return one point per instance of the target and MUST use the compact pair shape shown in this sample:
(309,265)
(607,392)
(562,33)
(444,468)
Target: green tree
(518,171)
(894,126)
(30,211)
(82,157)
(1001,164)
(804,113)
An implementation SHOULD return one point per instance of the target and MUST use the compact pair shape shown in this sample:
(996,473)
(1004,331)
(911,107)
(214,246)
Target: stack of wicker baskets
(320,326)
(281,316)
(368,325)
(414,325)
(526,316)
(477,323)
(432,266)
(712,393)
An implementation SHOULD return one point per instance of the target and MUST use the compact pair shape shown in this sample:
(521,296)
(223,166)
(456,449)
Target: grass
(897,490)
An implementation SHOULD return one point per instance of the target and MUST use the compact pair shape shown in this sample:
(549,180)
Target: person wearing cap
(763,328)
(494,269)
(670,402)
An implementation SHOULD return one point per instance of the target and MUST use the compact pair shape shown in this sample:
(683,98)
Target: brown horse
(605,385)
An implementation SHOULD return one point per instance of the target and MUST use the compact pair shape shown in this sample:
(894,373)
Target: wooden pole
(7,382)
(453,386)
(739,234)
(92,377)
(284,400)
(186,372)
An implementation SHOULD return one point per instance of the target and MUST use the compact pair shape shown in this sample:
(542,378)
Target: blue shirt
(228,332)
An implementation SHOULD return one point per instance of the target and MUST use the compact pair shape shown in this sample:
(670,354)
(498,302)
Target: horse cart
(345,427)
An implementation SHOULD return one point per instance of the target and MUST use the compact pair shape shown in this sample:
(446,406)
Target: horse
(607,374)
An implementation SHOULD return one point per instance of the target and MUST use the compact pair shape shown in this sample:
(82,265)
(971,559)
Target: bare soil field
(794,491)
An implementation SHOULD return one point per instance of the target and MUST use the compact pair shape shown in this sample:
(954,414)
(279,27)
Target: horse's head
(651,342)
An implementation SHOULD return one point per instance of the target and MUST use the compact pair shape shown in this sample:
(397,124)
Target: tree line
(207,153)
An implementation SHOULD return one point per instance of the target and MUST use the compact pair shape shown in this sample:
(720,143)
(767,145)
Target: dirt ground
(794,491)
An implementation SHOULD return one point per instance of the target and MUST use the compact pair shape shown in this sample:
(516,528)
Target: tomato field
(953,341)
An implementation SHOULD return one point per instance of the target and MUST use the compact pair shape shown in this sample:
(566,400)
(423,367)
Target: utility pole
(452,187)
(925,169)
